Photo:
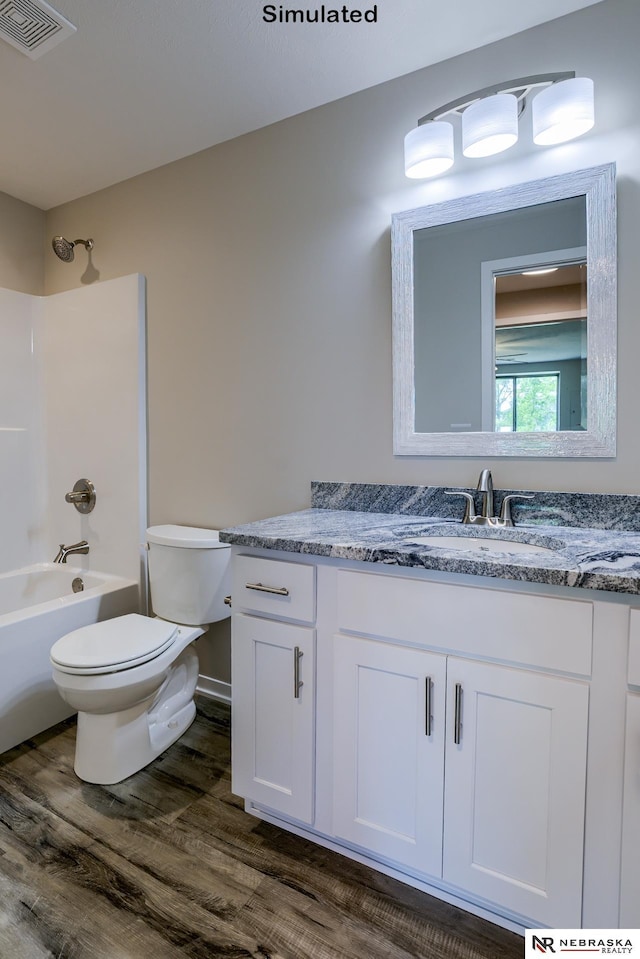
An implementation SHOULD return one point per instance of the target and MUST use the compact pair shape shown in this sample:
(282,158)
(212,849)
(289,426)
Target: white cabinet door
(630,885)
(388,750)
(273,708)
(515,789)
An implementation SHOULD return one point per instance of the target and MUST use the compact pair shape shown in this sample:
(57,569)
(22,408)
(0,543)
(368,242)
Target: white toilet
(133,678)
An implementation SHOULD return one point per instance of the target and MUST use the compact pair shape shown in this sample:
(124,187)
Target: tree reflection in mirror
(527,402)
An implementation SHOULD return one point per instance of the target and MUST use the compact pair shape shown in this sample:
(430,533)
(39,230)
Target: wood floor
(168,864)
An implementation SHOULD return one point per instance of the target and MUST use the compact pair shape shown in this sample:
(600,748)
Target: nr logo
(542,943)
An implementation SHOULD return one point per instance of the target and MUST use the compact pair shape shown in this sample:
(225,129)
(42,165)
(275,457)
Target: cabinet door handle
(278,590)
(297,682)
(457,715)
(427,705)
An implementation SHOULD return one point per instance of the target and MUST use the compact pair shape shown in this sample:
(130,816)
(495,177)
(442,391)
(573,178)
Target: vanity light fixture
(562,109)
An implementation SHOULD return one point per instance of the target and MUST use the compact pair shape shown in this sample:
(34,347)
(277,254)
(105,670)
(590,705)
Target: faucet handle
(83,496)
(470,507)
(506,518)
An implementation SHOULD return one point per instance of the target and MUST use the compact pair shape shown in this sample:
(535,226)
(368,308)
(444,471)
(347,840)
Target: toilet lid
(113,644)
(186,537)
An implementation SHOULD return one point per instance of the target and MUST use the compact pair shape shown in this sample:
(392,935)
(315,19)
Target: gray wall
(21,238)
(269,288)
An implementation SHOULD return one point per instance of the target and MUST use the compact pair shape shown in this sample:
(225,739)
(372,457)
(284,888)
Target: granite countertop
(605,556)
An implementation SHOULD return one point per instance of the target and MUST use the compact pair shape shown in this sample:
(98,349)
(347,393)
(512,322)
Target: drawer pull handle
(457,717)
(428,685)
(278,590)
(297,682)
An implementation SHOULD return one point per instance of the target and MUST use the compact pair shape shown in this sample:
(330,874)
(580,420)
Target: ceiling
(541,343)
(144,83)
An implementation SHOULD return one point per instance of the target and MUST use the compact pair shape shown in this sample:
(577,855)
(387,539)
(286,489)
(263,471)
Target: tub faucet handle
(83,496)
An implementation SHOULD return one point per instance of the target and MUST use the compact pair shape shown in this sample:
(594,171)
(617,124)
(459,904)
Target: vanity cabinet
(273,685)
(630,877)
(470,771)
(450,731)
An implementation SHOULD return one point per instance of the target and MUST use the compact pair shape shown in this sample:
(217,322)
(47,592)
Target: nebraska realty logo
(605,942)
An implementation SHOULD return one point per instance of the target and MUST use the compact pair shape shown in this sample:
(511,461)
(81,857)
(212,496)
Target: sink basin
(478,544)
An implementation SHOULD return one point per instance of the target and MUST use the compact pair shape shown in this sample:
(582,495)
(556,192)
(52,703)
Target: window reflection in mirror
(540,319)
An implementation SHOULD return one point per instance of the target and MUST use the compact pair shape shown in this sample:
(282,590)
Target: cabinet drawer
(530,630)
(634,647)
(287,590)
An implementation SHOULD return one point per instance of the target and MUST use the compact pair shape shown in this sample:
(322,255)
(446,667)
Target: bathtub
(38,605)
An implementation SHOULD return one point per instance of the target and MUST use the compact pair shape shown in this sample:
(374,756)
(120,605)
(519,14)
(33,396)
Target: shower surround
(72,405)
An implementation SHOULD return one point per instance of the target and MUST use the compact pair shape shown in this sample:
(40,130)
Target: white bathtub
(37,607)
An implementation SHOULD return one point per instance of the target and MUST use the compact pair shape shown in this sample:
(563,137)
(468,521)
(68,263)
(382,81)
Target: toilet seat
(113,645)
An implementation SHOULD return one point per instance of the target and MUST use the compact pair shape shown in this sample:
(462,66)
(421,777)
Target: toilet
(132,679)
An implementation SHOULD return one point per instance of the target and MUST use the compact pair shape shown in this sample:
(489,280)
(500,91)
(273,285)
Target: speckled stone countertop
(594,539)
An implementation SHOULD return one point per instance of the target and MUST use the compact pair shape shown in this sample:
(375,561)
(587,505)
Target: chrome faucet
(64,551)
(487,516)
(485,486)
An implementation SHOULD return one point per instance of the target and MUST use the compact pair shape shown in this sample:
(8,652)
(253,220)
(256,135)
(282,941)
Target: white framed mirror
(504,321)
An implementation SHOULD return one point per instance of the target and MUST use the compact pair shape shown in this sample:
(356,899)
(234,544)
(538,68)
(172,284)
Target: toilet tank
(189,574)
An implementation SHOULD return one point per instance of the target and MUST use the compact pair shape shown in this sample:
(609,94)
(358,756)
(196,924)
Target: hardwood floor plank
(287,920)
(77,878)
(174,855)
(351,888)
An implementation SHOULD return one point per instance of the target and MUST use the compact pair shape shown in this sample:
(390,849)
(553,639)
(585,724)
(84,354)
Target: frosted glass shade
(563,111)
(490,126)
(428,149)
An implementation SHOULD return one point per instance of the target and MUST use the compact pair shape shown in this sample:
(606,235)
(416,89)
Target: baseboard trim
(214,688)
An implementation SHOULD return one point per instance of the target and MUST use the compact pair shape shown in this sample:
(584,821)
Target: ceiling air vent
(34,28)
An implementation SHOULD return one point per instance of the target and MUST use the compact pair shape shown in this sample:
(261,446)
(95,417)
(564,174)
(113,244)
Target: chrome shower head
(64,248)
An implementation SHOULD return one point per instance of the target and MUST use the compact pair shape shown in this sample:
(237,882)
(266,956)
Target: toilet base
(111,747)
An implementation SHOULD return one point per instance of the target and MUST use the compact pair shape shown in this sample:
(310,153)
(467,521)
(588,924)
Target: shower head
(64,248)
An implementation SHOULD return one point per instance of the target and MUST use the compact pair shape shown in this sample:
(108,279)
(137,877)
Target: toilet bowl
(132,679)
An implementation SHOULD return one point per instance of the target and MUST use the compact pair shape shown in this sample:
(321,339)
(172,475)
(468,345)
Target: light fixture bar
(520,87)
(488,119)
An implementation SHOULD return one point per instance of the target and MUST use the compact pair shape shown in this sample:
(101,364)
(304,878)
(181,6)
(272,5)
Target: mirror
(504,324)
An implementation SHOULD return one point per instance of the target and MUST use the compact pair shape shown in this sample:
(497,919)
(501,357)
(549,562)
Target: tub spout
(64,551)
